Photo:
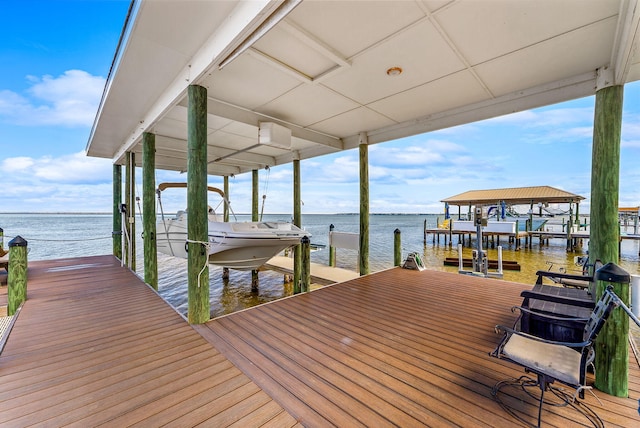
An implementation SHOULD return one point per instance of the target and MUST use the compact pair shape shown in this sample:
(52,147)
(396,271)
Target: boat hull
(241,246)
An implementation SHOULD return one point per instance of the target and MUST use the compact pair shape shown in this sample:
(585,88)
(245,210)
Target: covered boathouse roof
(513,196)
(338,74)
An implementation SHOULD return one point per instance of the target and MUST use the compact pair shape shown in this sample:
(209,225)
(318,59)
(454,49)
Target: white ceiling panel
(289,51)
(360,118)
(248,82)
(481,34)
(450,92)
(162,22)
(421,53)
(355,25)
(556,59)
(308,104)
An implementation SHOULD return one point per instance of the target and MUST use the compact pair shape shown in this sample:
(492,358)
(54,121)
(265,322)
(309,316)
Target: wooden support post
(116,234)
(254,195)
(305,275)
(570,227)
(611,351)
(149,209)
(127,196)
(254,217)
(197,227)
(228,199)
(225,270)
(297,221)
(397,248)
(129,242)
(332,249)
(364,204)
(17,274)
(132,211)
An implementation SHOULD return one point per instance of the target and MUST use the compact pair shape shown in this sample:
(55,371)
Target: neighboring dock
(493,238)
(94,345)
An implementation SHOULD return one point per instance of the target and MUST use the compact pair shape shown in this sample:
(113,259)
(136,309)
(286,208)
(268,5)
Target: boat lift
(480,262)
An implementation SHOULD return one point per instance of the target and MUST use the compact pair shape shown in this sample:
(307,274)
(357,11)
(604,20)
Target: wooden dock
(93,345)
(320,274)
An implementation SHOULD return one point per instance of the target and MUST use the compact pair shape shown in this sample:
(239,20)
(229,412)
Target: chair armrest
(560,276)
(572,301)
(549,317)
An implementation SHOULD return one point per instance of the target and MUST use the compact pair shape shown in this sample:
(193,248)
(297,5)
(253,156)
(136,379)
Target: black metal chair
(551,361)
(558,312)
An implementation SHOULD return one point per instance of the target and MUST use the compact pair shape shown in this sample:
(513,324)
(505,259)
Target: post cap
(611,272)
(305,240)
(18,241)
(396,231)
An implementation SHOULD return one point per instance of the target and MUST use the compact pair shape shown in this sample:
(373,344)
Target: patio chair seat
(558,362)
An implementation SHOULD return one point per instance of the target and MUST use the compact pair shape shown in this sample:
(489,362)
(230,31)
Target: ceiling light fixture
(394,71)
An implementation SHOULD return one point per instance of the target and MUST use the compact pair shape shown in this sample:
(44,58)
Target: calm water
(53,236)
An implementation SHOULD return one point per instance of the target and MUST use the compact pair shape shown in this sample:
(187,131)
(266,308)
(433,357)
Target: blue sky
(55,57)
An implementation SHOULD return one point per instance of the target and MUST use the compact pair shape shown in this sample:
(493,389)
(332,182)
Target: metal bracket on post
(604,78)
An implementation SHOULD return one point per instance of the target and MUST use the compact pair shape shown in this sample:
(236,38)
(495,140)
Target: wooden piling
(130,220)
(424,232)
(226,195)
(225,270)
(611,357)
(197,227)
(297,221)
(305,274)
(254,217)
(149,209)
(397,248)
(116,235)
(332,249)
(364,204)
(17,274)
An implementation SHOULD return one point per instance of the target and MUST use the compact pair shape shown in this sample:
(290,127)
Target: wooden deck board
(94,345)
(398,347)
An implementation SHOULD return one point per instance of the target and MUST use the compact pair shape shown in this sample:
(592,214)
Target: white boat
(236,245)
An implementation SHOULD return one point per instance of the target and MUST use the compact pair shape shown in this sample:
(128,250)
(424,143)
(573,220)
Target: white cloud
(16,164)
(70,99)
(546,118)
(73,168)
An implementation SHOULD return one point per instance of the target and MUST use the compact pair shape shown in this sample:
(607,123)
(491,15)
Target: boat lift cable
(164,223)
(125,235)
(266,188)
